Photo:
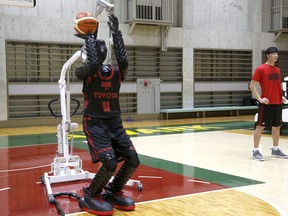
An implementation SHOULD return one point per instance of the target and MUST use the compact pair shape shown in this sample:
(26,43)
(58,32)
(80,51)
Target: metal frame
(66,167)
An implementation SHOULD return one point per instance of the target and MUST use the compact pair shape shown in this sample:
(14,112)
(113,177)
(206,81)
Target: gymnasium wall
(205,24)
(223,24)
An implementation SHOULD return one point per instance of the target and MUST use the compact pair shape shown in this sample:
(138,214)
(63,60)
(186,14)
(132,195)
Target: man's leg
(256,155)
(275,136)
(257,136)
(276,152)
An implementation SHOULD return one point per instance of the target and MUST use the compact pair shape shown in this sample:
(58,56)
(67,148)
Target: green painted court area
(25,155)
(198,173)
(50,138)
(190,171)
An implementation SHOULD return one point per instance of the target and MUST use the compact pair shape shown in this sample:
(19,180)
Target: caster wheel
(51,199)
(139,187)
(42,179)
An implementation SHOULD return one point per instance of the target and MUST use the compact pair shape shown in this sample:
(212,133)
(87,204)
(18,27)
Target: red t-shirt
(270,81)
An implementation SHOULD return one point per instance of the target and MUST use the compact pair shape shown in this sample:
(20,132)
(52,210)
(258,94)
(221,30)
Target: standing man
(268,76)
(107,139)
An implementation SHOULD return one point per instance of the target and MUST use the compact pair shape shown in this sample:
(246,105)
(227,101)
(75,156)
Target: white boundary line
(77,213)
(280,211)
(43,144)
(10,147)
(28,168)
(186,195)
(3,189)
(152,177)
(197,181)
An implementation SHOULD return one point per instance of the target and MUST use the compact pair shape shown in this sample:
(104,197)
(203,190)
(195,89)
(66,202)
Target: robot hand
(86,36)
(113,23)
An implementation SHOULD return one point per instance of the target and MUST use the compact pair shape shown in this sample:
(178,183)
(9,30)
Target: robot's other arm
(119,47)
(121,54)
(83,72)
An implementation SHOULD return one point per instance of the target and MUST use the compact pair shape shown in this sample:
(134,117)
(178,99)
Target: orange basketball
(85,23)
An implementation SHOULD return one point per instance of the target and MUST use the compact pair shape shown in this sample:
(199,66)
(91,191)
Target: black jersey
(102,95)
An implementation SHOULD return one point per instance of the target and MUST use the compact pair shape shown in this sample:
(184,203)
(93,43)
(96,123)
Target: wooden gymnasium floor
(199,166)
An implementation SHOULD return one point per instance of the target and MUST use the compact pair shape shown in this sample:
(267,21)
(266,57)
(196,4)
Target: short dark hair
(271,50)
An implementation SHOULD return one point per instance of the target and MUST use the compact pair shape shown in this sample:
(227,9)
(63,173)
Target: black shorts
(270,115)
(107,136)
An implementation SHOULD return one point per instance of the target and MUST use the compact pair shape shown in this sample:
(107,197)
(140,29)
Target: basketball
(85,23)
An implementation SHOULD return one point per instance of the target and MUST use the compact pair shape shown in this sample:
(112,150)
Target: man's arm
(253,88)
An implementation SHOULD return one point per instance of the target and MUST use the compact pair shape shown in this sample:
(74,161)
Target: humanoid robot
(102,124)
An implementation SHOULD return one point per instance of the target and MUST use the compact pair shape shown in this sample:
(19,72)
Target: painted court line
(3,189)
(155,177)
(197,181)
(28,168)
(180,196)
(77,213)
(24,146)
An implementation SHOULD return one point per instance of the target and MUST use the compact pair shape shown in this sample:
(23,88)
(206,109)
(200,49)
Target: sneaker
(119,200)
(278,154)
(257,156)
(95,205)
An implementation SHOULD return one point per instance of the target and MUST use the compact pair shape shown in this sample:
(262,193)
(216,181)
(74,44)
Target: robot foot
(119,200)
(96,206)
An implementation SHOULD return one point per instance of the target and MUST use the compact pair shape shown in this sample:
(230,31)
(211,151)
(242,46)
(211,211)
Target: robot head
(106,70)
(101,49)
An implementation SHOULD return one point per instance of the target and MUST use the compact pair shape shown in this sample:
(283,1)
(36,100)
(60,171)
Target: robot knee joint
(110,162)
(134,161)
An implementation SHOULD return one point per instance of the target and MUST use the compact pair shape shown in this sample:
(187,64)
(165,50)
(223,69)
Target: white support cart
(65,166)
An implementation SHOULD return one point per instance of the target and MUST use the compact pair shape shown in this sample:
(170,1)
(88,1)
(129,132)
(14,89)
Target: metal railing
(150,10)
(279,15)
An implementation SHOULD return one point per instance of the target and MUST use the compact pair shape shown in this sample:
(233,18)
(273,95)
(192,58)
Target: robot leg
(113,191)
(92,201)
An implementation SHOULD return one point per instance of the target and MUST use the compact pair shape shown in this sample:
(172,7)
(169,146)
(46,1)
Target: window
(38,62)
(150,11)
(279,15)
(42,63)
(222,65)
